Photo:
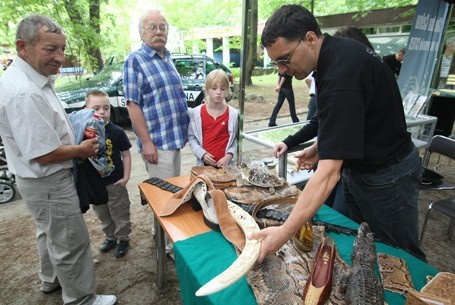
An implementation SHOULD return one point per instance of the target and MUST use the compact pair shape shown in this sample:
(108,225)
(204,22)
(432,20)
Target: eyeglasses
(285,62)
(152,28)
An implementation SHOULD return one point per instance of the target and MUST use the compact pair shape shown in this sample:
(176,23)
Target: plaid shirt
(155,85)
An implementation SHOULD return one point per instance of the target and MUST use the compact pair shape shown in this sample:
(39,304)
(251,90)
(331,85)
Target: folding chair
(444,146)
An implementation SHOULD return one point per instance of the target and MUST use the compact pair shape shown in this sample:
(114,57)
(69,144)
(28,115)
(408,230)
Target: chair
(443,146)
(446,147)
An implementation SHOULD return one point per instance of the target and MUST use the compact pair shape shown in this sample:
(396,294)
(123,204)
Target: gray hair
(141,20)
(28,28)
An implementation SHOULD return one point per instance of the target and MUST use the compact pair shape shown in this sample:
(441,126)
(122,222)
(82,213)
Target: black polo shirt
(360,111)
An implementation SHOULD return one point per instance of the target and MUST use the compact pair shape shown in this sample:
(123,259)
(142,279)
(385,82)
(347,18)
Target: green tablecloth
(200,258)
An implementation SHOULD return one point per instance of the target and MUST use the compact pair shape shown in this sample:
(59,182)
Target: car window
(210,66)
(109,74)
(190,69)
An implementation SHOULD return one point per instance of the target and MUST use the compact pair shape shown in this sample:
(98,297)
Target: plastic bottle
(304,237)
(91,129)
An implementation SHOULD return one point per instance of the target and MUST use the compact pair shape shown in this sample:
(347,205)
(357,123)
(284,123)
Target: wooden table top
(184,222)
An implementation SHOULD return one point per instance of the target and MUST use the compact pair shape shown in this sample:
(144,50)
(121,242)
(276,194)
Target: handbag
(89,185)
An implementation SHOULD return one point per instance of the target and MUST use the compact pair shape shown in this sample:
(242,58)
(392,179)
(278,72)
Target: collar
(152,52)
(39,79)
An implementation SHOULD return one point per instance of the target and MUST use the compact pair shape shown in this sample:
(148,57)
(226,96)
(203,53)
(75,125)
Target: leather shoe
(319,284)
(107,245)
(122,249)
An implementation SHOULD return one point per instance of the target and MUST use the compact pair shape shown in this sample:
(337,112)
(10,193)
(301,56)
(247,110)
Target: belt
(368,169)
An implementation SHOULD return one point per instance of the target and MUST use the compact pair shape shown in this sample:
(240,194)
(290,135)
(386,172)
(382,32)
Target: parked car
(109,79)
(193,70)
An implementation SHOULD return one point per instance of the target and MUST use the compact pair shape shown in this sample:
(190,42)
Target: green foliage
(114,36)
(114,23)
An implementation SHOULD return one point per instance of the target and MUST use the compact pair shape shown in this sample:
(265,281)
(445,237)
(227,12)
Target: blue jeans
(387,200)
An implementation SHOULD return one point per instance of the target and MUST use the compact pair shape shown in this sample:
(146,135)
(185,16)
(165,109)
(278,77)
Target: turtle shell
(264,178)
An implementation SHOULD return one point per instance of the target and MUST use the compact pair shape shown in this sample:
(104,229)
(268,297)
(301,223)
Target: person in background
(40,145)
(361,133)
(353,33)
(284,89)
(394,61)
(156,102)
(115,215)
(310,82)
(212,132)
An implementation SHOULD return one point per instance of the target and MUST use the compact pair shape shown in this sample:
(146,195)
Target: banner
(423,46)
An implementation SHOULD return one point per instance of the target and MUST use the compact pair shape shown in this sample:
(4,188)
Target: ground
(132,278)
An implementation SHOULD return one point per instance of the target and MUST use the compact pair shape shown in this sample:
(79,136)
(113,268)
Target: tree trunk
(252,39)
(95,23)
(89,31)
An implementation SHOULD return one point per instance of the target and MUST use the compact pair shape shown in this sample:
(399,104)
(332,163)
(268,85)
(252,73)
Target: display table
(201,254)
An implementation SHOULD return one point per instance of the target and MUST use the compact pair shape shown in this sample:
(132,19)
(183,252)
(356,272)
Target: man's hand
(273,238)
(89,148)
(279,149)
(150,152)
(307,158)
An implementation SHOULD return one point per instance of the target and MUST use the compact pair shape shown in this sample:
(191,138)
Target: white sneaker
(105,300)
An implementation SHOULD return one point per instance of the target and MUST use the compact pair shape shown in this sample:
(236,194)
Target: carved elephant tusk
(246,259)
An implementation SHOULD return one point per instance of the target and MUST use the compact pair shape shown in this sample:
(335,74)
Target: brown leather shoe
(319,284)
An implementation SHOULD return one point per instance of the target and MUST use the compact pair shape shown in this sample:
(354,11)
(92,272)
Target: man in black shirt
(361,133)
(394,61)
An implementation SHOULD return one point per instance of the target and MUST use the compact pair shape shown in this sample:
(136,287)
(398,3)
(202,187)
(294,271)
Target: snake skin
(361,284)
(280,279)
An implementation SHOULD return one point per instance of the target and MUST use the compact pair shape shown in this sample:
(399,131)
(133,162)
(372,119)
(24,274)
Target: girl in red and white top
(212,132)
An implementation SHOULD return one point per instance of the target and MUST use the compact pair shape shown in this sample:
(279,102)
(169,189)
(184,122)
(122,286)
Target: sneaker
(105,300)
(107,245)
(49,288)
(122,249)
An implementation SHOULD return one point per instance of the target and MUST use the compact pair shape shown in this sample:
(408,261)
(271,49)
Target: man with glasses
(362,133)
(155,99)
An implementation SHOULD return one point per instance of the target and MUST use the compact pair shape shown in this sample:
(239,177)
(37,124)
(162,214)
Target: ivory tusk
(246,259)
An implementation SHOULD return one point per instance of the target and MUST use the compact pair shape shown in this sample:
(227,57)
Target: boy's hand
(122,181)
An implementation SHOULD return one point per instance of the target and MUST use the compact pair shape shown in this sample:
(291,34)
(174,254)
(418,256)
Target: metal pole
(243,61)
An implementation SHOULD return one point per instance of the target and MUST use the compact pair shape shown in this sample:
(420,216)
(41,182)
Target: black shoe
(272,125)
(107,245)
(122,249)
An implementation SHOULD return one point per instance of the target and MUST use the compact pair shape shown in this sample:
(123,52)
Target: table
(201,254)
(183,224)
